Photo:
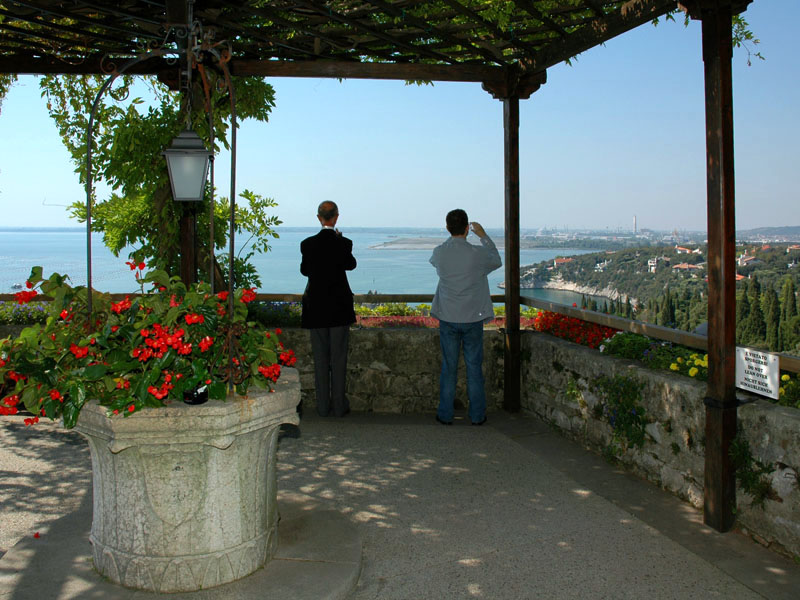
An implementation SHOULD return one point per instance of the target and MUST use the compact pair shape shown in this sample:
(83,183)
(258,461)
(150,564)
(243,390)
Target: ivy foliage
(620,405)
(133,125)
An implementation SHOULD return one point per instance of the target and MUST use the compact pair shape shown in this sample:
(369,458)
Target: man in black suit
(328,308)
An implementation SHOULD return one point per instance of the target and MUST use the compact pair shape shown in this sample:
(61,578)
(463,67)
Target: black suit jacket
(328,299)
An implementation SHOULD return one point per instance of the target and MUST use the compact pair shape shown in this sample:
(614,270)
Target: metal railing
(676,336)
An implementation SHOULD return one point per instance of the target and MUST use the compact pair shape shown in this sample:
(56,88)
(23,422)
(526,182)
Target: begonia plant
(142,351)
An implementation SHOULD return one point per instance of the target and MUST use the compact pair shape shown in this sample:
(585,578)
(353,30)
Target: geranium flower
(78,351)
(248,295)
(206,343)
(121,306)
(24,297)
(193,318)
(222,296)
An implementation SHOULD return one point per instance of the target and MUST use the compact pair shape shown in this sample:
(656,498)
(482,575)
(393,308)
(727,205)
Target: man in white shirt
(463,304)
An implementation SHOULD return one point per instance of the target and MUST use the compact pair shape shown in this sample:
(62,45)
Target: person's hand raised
(477,229)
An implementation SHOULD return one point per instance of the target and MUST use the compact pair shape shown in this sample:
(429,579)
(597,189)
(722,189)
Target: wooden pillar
(188,253)
(511,399)
(720,485)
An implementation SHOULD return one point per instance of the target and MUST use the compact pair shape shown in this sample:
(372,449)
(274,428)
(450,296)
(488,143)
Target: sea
(390,260)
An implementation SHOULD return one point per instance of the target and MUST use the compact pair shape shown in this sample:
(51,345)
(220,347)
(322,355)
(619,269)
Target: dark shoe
(438,420)
(480,422)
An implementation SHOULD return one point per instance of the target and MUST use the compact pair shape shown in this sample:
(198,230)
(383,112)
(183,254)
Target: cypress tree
(742,312)
(788,301)
(772,319)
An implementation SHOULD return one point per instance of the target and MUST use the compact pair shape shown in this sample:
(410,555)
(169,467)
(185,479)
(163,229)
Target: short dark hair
(457,222)
(327,210)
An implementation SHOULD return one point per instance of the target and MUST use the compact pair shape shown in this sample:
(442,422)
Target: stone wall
(397,370)
(558,387)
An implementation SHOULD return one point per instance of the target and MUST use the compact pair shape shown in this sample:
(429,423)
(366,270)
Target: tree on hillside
(754,329)
(742,313)
(788,301)
(772,319)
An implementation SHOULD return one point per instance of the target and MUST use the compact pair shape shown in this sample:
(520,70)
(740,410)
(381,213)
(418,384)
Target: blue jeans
(451,337)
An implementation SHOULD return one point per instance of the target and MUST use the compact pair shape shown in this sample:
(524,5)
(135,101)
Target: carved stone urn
(185,496)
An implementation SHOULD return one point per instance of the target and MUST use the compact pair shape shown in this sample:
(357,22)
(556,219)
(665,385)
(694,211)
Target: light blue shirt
(462,295)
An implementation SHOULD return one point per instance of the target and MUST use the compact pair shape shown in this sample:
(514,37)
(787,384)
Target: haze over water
(387,270)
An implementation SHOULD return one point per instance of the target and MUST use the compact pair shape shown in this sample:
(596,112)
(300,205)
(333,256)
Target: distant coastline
(43,229)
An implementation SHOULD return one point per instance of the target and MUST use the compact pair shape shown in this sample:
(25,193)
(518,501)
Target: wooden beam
(720,485)
(31,64)
(512,368)
(633,14)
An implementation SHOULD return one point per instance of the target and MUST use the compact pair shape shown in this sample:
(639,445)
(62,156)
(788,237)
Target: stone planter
(185,496)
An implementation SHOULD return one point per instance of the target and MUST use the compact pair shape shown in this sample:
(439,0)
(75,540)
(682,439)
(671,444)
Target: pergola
(506,45)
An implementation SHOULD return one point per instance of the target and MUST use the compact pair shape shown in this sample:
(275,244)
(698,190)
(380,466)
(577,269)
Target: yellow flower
(785,377)
(705,358)
(781,392)
(698,362)
(680,359)
(673,366)
(693,371)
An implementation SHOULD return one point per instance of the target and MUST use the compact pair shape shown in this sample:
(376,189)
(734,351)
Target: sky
(618,133)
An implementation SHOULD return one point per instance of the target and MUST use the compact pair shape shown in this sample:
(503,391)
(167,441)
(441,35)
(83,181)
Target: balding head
(328,212)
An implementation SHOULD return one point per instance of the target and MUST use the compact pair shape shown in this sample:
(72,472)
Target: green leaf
(218,390)
(95,372)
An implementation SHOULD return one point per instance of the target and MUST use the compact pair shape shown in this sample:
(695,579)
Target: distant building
(686,267)
(682,250)
(561,261)
(746,260)
(793,247)
(652,265)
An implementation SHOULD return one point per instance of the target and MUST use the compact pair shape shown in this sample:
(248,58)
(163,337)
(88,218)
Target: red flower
(77,351)
(121,306)
(14,376)
(132,408)
(28,422)
(28,284)
(142,266)
(11,400)
(271,372)
(36,535)
(25,297)
(65,315)
(278,331)
(55,395)
(173,302)
(287,359)
(248,295)
(223,296)
(2,363)
(192,318)
(114,328)
(206,343)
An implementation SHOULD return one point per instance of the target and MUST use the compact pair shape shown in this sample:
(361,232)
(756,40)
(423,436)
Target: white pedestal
(185,496)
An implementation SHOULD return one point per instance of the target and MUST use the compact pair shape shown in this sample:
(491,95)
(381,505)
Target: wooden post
(720,485)
(188,254)
(511,399)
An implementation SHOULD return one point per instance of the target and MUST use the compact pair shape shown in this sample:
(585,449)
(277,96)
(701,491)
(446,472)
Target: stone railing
(397,370)
(559,387)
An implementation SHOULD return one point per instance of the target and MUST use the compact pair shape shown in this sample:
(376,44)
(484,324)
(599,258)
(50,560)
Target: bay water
(390,260)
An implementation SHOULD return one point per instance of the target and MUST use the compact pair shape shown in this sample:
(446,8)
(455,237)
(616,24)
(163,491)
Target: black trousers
(329,346)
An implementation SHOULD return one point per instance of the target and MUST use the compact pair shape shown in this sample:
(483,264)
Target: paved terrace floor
(509,510)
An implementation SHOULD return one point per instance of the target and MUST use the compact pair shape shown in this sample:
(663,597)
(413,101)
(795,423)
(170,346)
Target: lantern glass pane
(188,175)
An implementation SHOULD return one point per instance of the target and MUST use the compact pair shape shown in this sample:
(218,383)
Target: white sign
(757,371)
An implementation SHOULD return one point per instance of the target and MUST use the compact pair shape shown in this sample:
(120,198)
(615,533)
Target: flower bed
(572,329)
(142,352)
